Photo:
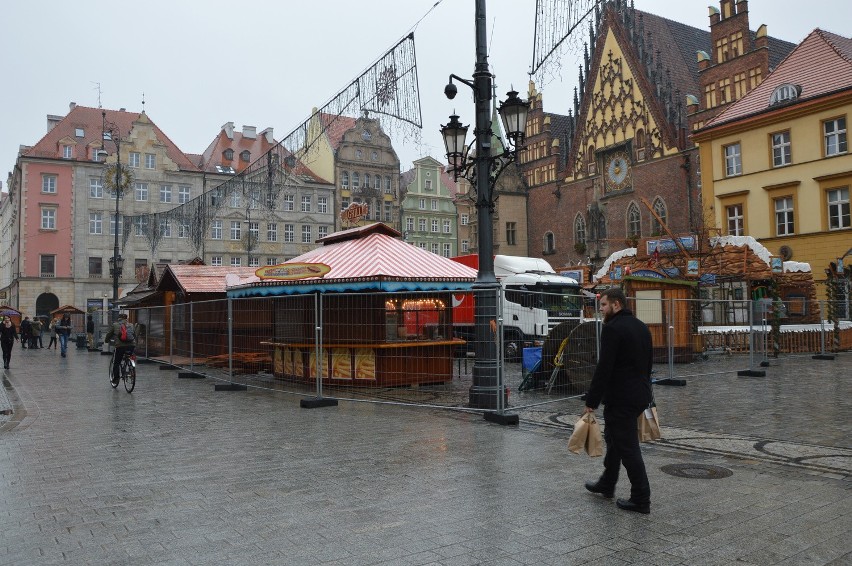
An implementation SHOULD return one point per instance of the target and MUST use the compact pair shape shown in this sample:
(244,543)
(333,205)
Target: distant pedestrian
(52,329)
(63,330)
(90,332)
(622,382)
(35,333)
(8,335)
(25,332)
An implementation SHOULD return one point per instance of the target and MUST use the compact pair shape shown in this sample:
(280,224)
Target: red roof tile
(204,278)
(90,120)
(335,127)
(821,64)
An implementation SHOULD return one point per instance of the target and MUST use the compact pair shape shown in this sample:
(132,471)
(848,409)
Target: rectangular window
(96,268)
(141,192)
(67,152)
(289,203)
(289,233)
(755,77)
(96,188)
(272,261)
(96,223)
(422,204)
(434,204)
(725,91)
(165,229)
(150,161)
(784,216)
(236,261)
(133,159)
(183,230)
(140,225)
(236,230)
(421,245)
(254,262)
(733,160)
(448,249)
(735,218)
(838,209)
(511,233)
(165,193)
(834,132)
(272,232)
(421,224)
(322,231)
(388,211)
(307,234)
(48,218)
(388,186)
(48,265)
(465,219)
(216,230)
(739,85)
(344,203)
(434,225)
(465,246)
(435,248)
(781,149)
(447,227)
(306,203)
(216,260)
(322,205)
(236,199)
(428,184)
(254,231)
(184,194)
(216,197)
(48,184)
(112,224)
(409,224)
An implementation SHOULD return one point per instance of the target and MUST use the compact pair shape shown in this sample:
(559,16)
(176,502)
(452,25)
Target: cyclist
(120,328)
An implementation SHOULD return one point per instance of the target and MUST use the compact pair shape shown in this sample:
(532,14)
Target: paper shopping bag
(649,425)
(586,436)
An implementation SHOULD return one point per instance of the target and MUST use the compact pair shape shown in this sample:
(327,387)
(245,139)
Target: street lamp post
(481,168)
(116,262)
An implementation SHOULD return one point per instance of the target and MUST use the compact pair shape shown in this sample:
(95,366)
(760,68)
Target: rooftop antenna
(98,88)
(143,101)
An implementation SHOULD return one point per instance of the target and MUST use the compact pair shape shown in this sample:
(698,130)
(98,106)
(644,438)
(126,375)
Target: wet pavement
(177,473)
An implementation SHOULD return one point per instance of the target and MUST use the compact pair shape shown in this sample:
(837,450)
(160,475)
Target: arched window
(639,142)
(549,243)
(245,155)
(356,180)
(377,182)
(590,161)
(660,210)
(344,179)
(634,221)
(579,229)
(366,180)
(228,154)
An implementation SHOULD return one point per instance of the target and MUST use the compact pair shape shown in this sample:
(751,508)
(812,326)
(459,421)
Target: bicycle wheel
(111,362)
(129,374)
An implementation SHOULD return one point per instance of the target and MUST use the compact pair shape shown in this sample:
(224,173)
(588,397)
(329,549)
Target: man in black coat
(622,382)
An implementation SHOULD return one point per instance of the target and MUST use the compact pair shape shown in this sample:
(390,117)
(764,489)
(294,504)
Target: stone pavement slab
(176,473)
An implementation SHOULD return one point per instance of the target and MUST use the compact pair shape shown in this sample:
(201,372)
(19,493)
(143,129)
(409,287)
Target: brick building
(620,165)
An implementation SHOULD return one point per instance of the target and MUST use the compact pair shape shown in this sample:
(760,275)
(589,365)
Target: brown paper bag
(649,425)
(586,436)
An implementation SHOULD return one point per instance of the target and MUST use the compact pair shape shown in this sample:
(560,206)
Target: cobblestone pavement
(176,473)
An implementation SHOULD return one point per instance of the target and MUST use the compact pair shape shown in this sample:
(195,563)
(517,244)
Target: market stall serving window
(417,318)
(649,306)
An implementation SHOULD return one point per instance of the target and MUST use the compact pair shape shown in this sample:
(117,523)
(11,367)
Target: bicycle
(126,371)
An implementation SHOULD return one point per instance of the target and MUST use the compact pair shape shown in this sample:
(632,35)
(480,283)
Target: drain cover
(697,471)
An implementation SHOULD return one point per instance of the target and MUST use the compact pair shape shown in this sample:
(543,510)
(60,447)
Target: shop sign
(648,273)
(290,271)
(668,246)
(355,212)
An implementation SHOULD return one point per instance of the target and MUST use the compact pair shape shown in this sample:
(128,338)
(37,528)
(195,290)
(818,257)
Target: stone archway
(45,303)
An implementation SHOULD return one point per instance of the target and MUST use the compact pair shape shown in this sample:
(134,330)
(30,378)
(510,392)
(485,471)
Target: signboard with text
(291,271)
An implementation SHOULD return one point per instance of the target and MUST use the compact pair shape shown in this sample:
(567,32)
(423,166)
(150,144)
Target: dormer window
(784,93)
(228,154)
(67,152)
(245,155)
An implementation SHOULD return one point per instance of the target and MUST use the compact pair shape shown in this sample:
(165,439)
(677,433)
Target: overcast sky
(266,63)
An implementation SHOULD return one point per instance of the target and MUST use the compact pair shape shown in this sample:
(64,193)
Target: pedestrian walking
(25,332)
(622,382)
(90,332)
(52,329)
(63,330)
(35,333)
(8,335)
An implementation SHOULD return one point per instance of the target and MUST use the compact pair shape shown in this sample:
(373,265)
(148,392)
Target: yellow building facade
(776,165)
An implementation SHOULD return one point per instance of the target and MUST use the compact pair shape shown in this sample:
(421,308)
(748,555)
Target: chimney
(228,128)
(714,15)
(72,106)
(703,60)
(761,39)
(52,121)
(249,132)
(267,133)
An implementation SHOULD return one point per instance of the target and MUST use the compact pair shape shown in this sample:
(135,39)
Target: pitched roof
(214,154)
(821,64)
(91,121)
(335,126)
(203,278)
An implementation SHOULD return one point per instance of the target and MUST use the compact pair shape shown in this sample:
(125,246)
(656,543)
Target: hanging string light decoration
(388,87)
(557,33)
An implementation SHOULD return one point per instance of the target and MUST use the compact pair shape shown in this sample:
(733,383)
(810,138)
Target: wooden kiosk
(386,310)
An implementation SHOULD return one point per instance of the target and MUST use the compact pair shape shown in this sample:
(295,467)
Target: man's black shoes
(596,487)
(627,505)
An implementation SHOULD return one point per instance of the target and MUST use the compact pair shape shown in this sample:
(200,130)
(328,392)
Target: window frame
(841,135)
(133,159)
(236,231)
(150,161)
(840,204)
(786,156)
(734,161)
(49,183)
